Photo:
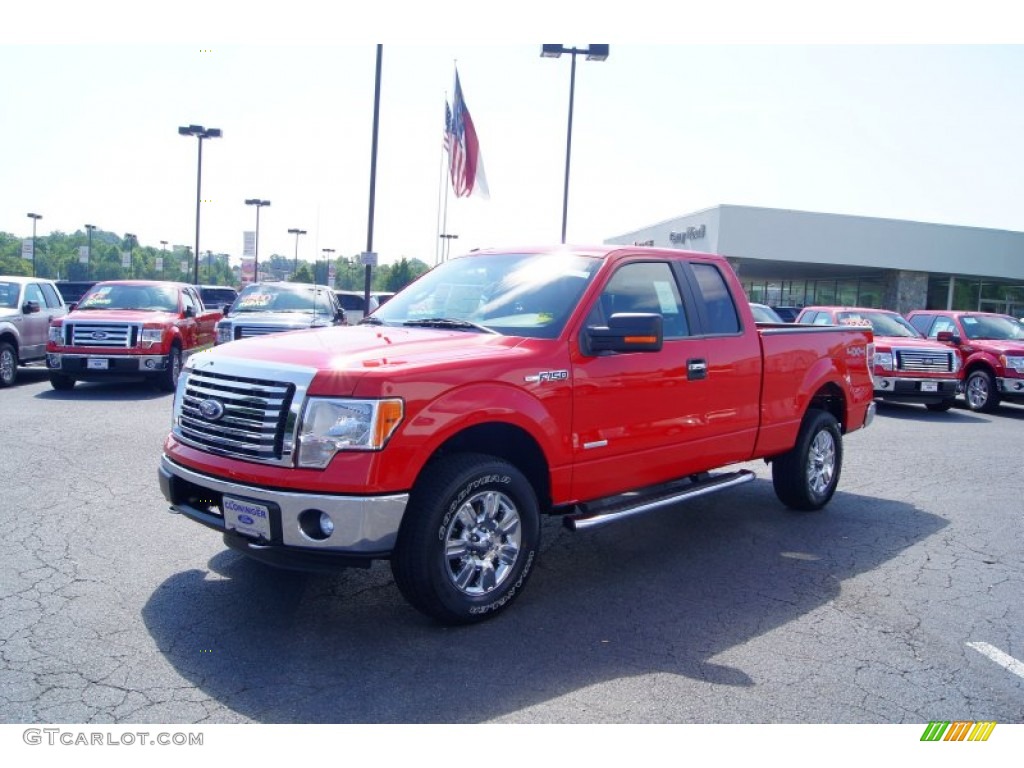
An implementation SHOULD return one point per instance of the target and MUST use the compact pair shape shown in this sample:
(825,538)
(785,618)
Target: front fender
(545,419)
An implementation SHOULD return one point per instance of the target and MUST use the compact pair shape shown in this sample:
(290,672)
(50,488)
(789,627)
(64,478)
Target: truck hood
(907,342)
(993,346)
(342,355)
(276,319)
(121,316)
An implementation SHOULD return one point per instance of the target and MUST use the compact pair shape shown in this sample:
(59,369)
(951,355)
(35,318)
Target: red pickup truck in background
(128,328)
(591,383)
(908,367)
(992,346)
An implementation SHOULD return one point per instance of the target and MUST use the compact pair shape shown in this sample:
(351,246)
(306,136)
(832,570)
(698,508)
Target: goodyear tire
(168,378)
(806,477)
(980,391)
(8,365)
(468,539)
(61,382)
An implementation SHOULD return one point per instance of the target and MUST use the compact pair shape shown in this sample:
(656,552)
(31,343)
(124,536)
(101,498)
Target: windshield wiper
(446,322)
(372,321)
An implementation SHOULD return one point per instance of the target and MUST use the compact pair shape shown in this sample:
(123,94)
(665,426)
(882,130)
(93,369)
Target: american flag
(465,166)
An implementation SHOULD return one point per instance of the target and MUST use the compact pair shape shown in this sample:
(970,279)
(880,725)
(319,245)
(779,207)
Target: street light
(296,232)
(327,267)
(131,253)
(256,261)
(595,52)
(163,256)
(88,264)
(35,217)
(200,133)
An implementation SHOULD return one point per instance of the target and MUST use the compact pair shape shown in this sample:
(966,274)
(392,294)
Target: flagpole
(441,181)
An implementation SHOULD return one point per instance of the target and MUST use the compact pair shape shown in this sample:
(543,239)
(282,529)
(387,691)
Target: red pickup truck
(129,328)
(908,367)
(992,346)
(593,383)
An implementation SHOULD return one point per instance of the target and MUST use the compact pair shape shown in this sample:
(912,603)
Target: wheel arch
(9,337)
(831,399)
(504,441)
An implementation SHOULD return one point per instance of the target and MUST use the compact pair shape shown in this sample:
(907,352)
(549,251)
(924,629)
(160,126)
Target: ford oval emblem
(245,520)
(211,410)
(99,335)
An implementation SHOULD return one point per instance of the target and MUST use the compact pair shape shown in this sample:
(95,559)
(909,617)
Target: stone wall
(905,290)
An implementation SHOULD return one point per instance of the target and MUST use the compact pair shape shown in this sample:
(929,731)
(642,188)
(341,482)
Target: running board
(637,503)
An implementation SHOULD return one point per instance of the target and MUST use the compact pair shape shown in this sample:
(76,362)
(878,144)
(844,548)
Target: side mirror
(625,332)
(948,337)
(190,312)
(30,307)
(224,309)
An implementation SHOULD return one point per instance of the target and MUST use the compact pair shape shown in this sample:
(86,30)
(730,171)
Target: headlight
(223,332)
(883,360)
(55,334)
(332,425)
(151,335)
(1014,361)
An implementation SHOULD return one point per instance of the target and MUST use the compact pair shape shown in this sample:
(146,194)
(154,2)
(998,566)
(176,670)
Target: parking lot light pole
(256,255)
(327,266)
(35,217)
(295,265)
(163,257)
(88,264)
(200,133)
(131,253)
(595,52)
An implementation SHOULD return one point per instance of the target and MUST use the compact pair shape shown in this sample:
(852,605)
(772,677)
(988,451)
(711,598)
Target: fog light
(315,525)
(151,364)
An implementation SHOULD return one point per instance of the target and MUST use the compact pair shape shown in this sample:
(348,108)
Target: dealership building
(800,258)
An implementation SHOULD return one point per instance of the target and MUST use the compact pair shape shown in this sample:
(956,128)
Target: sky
(873,114)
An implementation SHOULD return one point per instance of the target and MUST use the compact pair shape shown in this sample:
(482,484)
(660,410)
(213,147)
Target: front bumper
(365,527)
(915,390)
(82,365)
(1010,388)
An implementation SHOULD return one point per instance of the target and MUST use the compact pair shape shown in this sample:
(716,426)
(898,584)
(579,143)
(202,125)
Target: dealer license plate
(97,363)
(929,386)
(247,517)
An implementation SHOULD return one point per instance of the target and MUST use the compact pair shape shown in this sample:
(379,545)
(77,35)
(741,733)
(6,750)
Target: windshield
(764,314)
(980,327)
(281,298)
(510,293)
(882,323)
(149,298)
(9,295)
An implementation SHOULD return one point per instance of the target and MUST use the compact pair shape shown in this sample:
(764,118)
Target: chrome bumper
(363,525)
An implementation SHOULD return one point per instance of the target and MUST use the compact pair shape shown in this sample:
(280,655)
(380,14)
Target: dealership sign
(690,233)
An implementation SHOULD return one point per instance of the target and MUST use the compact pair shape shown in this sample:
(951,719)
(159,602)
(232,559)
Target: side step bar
(629,505)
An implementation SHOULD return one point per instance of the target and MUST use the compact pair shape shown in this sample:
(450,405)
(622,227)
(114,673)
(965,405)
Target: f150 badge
(545,376)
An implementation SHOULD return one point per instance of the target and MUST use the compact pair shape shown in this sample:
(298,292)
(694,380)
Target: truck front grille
(102,335)
(248,331)
(248,418)
(924,361)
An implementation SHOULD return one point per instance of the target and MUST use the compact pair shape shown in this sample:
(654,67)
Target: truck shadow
(663,593)
(912,412)
(120,390)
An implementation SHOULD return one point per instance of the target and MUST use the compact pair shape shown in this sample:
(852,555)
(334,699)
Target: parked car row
(147,328)
(931,356)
